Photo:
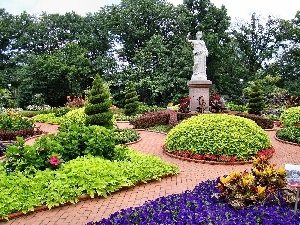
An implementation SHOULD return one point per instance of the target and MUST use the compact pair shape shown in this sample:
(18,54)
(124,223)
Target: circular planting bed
(221,138)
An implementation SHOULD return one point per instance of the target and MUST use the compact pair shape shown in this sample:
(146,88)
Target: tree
(131,100)
(99,102)
(256,99)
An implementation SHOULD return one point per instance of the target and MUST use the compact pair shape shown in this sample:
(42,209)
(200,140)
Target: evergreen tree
(97,109)
(131,100)
(256,99)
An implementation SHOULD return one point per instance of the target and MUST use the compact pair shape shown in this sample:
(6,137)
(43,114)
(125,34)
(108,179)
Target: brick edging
(286,142)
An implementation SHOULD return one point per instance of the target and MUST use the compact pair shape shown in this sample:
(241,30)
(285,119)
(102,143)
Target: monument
(198,85)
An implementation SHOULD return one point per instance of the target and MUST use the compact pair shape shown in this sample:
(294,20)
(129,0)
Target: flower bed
(199,206)
(212,159)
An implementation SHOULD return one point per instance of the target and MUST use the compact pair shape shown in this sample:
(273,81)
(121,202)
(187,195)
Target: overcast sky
(236,8)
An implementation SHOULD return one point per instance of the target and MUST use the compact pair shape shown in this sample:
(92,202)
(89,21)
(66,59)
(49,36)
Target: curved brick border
(133,142)
(213,162)
(286,142)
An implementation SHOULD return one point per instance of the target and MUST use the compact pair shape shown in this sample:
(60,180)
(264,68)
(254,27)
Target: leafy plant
(291,134)
(218,134)
(2,149)
(184,105)
(81,176)
(99,102)
(235,107)
(14,122)
(291,116)
(151,119)
(126,135)
(256,99)
(75,116)
(261,121)
(131,100)
(263,183)
(47,118)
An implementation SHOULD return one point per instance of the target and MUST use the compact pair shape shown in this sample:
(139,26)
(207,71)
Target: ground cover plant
(203,206)
(219,136)
(22,191)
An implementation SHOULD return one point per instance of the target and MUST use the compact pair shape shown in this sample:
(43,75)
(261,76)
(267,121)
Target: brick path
(190,175)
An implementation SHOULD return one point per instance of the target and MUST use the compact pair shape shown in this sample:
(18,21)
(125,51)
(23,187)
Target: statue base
(197,89)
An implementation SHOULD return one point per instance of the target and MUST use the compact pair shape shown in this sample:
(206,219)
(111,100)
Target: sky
(237,9)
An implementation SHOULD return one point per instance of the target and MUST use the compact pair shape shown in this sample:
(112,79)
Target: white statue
(200,53)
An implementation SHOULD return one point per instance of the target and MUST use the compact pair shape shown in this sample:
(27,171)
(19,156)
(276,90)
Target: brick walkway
(190,175)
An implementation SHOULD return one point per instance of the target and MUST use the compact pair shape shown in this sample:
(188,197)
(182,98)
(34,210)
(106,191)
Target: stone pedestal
(198,88)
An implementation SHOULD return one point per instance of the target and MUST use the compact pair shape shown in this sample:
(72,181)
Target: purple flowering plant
(199,206)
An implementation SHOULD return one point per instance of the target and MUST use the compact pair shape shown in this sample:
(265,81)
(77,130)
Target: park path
(189,176)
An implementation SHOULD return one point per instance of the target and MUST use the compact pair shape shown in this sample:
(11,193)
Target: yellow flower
(257,172)
(247,179)
(269,170)
(235,174)
(225,180)
(281,171)
(260,190)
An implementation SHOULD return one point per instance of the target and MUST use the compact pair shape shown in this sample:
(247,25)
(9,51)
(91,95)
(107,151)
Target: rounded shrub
(290,116)
(218,135)
(76,116)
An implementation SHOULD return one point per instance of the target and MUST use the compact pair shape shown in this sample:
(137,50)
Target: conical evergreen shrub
(131,100)
(99,101)
(256,99)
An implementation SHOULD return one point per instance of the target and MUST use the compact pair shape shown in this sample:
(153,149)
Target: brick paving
(190,175)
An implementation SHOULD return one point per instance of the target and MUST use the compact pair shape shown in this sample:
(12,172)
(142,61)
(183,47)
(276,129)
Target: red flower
(54,160)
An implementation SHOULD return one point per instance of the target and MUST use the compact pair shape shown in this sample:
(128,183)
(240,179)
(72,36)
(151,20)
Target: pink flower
(54,160)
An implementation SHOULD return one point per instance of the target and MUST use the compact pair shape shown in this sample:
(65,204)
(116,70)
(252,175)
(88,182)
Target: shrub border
(286,142)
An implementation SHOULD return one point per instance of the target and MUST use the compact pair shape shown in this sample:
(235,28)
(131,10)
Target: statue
(200,53)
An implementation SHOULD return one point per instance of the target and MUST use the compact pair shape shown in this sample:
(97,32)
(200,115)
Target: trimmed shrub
(263,122)
(291,116)
(131,100)
(99,102)
(151,119)
(291,134)
(219,134)
(256,99)
(76,116)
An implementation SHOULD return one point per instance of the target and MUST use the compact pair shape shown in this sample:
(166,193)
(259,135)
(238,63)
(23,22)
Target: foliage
(81,176)
(261,121)
(290,116)
(184,105)
(76,116)
(68,144)
(292,101)
(151,119)
(143,107)
(47,118)
(218,134)
(199,206)
(131,100)
(234,107)
(126,135)
(14,122)
(263,183)
(291,134)
(2,149)
(216,102)
(272,114)
(256,99)
(97,109)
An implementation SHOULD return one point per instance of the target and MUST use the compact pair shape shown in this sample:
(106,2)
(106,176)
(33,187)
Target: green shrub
(256,99)
(76,116)
(126,135)
(47,118)
(68,144)
(143,107)
(131,100)
(291,134)
(14,122)
(99,102)
(234,107)
(263,122)
(291,116)
(219,134)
